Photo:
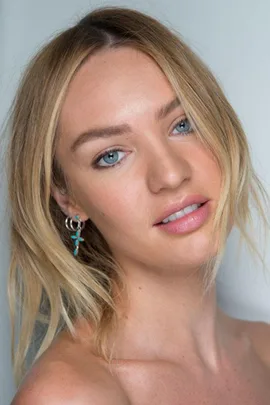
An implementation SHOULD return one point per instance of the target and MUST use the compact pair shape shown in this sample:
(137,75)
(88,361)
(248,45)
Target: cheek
(111,206)
(209,170)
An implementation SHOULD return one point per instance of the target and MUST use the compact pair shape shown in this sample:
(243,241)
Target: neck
(170,318)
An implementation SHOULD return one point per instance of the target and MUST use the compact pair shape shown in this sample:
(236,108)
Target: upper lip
(177,206)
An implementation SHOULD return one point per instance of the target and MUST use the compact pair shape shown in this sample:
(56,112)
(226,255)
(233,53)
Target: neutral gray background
(233,37)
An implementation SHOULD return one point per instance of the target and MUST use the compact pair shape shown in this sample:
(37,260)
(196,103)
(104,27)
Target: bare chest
(167,385)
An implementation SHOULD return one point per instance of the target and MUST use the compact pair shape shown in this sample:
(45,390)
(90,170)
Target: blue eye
(110,158)
(183,127)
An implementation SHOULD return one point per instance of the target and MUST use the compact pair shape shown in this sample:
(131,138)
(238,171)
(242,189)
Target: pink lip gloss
(189,222)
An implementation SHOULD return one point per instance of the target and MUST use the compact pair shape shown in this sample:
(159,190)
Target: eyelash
(95,163)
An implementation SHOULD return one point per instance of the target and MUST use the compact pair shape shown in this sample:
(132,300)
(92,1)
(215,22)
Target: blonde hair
(47,284)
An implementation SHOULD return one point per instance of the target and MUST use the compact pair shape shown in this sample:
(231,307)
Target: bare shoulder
(259,334)
(69,375)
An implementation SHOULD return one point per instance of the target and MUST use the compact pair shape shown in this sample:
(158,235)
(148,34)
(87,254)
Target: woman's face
(157,161)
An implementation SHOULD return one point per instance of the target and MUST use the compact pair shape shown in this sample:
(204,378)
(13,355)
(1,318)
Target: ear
(67,204)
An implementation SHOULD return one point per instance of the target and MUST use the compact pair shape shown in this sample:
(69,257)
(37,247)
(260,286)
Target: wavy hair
(47,285)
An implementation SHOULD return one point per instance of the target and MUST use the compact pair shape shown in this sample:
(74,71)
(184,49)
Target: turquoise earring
(76,226)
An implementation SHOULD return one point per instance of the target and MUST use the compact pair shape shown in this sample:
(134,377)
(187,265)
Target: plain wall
(233,38)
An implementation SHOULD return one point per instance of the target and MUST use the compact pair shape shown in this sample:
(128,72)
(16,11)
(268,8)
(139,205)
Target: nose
(167,167)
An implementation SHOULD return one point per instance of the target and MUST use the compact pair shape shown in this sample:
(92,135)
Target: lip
(188,223)
(172,208)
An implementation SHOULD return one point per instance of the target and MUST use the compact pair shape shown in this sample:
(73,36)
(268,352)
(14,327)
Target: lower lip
(189,222)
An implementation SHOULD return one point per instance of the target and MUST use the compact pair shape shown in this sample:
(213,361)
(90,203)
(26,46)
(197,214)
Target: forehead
(112,86)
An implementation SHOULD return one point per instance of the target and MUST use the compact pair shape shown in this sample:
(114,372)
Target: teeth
(181,213)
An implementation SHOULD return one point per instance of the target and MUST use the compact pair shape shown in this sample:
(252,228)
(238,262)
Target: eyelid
(178,120)
(120,149)
(104,153)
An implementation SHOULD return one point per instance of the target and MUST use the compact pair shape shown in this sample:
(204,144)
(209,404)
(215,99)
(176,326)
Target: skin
(172,347)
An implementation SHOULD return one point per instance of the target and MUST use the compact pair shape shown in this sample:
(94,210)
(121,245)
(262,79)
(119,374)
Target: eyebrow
(118,130)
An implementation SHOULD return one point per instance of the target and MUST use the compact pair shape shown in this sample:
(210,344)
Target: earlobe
(67,204)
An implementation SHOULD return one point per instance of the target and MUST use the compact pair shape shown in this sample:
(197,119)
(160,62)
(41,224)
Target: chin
(190,253)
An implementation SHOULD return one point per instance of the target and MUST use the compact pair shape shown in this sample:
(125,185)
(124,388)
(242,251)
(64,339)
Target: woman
(128,169)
